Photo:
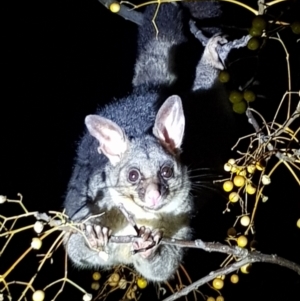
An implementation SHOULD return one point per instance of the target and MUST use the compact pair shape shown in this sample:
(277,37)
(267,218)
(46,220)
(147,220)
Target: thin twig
(251,258)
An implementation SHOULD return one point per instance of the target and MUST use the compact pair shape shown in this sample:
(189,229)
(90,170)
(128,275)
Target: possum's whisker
(210,176)
(198,169)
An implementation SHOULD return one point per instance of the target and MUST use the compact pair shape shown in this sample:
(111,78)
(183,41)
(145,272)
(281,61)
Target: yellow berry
(38,227)
(218,283)
(239,107)
(36,243)
(227,186)
(250,189)
(253,44)
(249,95)
(113,280)
(251,168)
(122,283)
(242,173)
(242,241)
(234,168)
(130,295)
(235,96)
(255,32)
(224,76)
(260,165)
(141,282)
(38,295)
(298,223)
(253,245)
(234,197)
(95,286)
(239,181)
(231,232)
(3,199)
(87,297)
(221,277)
(96,276)
(234,278)
(231,161)
(210,299)
(227,167)
(295,26)
(115,277)
(245,220)
(246,268)
(259,22)
(266,180)
(115,7)
(220,298)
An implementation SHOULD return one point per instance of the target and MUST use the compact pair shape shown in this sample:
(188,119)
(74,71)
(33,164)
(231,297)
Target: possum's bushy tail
(157,46)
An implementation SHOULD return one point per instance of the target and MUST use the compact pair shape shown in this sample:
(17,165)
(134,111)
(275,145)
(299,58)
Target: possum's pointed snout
(152,196)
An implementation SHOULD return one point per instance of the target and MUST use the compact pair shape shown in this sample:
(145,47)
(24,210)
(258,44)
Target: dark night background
(59,61)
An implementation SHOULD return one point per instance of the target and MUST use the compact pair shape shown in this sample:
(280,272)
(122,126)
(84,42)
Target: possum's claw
(148,245)
(97,236)
(157,235)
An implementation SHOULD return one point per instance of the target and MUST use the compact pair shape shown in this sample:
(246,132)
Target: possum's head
(145,171)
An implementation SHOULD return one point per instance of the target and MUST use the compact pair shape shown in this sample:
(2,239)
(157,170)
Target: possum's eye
(166,172)
(133,175)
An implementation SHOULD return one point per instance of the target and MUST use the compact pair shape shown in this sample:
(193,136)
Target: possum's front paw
(150,241)
(97,236)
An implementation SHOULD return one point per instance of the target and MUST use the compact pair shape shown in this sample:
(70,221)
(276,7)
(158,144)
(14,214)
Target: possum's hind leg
(161,264)
(217,49)
(210,64)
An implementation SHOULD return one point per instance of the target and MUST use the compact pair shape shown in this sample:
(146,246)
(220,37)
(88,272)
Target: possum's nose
(152,196)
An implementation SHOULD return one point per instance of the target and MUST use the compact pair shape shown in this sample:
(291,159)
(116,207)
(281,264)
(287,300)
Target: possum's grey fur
(140,136)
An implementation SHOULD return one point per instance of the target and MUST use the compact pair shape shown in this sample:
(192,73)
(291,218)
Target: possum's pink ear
(169,123)
(112,140)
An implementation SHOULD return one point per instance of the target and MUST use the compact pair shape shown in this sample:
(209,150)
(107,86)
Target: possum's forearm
(80,253)
(83,256)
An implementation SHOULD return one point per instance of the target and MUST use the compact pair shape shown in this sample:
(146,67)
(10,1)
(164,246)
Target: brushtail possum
(129,155)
